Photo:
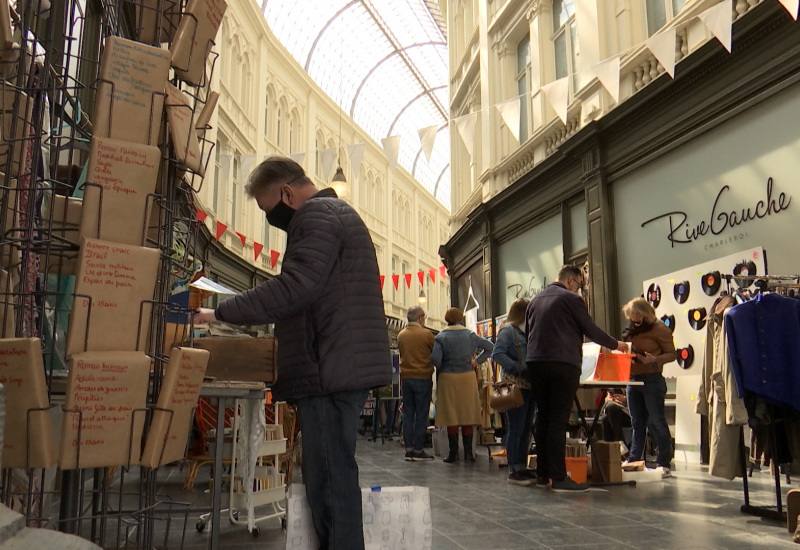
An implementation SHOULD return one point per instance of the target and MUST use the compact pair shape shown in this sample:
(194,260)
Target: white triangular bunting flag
(471,309)
(509,111)
(247,165)
(299,158)
(719,20)
(586,75)
(557,94)
(391,146)
(466,128)
(427,137)
(663,47)
(356,154)
(791,6)
(326,157)
(608,74)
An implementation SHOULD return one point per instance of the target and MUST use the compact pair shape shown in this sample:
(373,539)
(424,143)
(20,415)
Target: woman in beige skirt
(457,402)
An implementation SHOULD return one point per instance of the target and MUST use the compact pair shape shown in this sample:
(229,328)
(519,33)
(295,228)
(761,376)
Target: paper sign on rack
(130,92)
(23,375)
(110,390)
(121,176)
(184,140)
(196,32)
(172,419)
(109,312)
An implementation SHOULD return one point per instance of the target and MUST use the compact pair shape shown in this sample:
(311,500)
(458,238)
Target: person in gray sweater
(556,322)
(327,307)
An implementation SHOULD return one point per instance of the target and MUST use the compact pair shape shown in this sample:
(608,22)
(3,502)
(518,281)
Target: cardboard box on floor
(607,461)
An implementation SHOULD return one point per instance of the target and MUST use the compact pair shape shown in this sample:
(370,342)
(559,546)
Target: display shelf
(271,448)
(238,501)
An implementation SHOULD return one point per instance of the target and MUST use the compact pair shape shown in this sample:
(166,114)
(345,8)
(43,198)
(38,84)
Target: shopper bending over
(457,402)
(327,307)
(653,345)
(556,322)
(509,352)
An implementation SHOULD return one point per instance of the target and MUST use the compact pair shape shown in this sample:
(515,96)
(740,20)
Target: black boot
(453,455)
(468,456)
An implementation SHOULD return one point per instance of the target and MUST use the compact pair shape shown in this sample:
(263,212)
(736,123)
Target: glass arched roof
(385,63)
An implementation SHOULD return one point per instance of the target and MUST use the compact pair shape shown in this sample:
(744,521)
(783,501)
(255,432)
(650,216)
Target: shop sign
(722,217)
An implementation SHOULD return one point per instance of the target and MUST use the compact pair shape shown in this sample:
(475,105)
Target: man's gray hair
(275,170)
(414,314)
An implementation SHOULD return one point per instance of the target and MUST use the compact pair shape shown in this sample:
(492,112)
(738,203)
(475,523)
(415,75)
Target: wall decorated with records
(683,298)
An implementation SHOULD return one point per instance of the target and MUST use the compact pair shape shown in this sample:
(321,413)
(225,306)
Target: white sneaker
(665,472)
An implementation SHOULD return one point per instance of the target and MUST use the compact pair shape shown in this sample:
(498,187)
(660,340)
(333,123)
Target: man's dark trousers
(554,385)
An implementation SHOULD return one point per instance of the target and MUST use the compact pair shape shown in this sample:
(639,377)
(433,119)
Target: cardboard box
(607,461)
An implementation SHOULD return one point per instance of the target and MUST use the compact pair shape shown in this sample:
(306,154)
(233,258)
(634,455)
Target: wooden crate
(241,359)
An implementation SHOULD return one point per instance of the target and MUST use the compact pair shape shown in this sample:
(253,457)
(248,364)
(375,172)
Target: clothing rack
(764,283)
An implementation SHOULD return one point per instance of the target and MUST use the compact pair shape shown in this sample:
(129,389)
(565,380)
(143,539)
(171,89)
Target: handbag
(507,395)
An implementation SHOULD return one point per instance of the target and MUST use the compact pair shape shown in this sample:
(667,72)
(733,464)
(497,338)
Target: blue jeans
(646,404)
(518,437)
(330,473)
(416,408)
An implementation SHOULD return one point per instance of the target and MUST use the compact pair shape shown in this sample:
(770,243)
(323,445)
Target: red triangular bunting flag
(441,272)
(273,255)
(421,275)
(408,279)
(200,215)
(396,280)
(383,279)
(432,273)
(257,248)
(221,227)
(242,237)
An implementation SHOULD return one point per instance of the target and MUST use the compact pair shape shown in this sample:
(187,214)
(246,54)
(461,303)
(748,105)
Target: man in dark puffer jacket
(327,307)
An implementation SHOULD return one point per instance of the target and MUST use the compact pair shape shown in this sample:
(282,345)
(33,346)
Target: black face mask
(281,215)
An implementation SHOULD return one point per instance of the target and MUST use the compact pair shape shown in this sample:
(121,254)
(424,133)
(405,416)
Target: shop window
(658,12)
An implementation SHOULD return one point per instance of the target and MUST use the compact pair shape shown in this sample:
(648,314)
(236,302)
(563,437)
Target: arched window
(278,120)
(379,200)
(247,84)
(524,83)
(269,112)
(565,39)
(658,12)
(318,141)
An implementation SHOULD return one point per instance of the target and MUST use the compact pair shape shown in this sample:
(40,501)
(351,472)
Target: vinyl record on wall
(653,295)
(685,356)
(681,292)
(744,270)
(697,318)
(711,282)
(669,320)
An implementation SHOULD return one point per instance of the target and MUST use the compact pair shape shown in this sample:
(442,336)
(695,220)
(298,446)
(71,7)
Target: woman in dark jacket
(653,346)
(457,402)
(509,352)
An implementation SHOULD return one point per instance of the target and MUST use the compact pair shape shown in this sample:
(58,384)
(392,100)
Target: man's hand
(623,347)
(203,316)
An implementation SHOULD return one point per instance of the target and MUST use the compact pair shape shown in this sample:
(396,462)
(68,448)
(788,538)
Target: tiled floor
(474,508)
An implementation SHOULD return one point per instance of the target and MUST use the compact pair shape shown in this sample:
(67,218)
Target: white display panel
(686,297)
